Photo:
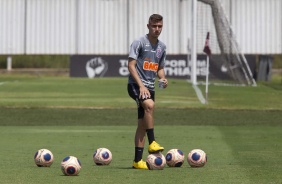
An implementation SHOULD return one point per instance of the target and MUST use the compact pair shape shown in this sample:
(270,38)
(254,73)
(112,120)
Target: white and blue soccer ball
(156,161)
(43,158)
(197,158)
(102,156)
(70,166)
(174,158)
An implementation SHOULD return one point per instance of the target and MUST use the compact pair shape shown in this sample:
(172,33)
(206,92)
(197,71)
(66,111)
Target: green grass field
(240,130)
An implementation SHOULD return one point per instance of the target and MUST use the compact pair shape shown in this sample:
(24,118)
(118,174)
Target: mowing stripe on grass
(19,148)
(257,150)
(236,154)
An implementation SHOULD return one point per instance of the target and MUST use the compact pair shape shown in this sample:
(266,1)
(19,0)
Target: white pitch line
(4,82)
(199,94)
(75,131)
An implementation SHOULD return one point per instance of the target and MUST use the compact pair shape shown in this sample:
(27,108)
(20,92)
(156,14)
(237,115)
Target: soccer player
(146,60)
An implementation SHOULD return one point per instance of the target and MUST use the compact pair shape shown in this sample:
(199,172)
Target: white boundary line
(199,94)
(4,82)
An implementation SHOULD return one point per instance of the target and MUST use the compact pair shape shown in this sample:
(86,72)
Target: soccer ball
(155,161)
(43,158)
(174,158)
(197,158)
(70,166)
(102,156)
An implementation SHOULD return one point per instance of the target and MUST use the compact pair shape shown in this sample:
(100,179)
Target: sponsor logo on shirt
(150,66)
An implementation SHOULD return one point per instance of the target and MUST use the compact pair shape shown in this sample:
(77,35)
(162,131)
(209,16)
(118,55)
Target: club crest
(159,52)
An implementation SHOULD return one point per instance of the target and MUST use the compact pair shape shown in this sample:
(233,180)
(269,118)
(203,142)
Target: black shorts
(133,91)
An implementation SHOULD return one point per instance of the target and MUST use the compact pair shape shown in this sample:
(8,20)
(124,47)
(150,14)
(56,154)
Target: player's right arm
(144,92)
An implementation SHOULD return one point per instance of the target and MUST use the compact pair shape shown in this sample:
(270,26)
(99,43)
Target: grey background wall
(109,26)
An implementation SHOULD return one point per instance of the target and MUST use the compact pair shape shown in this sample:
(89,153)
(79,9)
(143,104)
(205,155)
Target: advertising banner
(177,66)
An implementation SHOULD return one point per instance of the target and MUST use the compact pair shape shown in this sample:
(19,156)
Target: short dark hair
(155,18)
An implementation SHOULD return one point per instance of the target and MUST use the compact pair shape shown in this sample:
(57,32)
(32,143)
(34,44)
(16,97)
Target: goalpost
(228,64)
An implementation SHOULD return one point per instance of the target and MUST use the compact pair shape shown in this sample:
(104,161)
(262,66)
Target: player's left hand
(165,82)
